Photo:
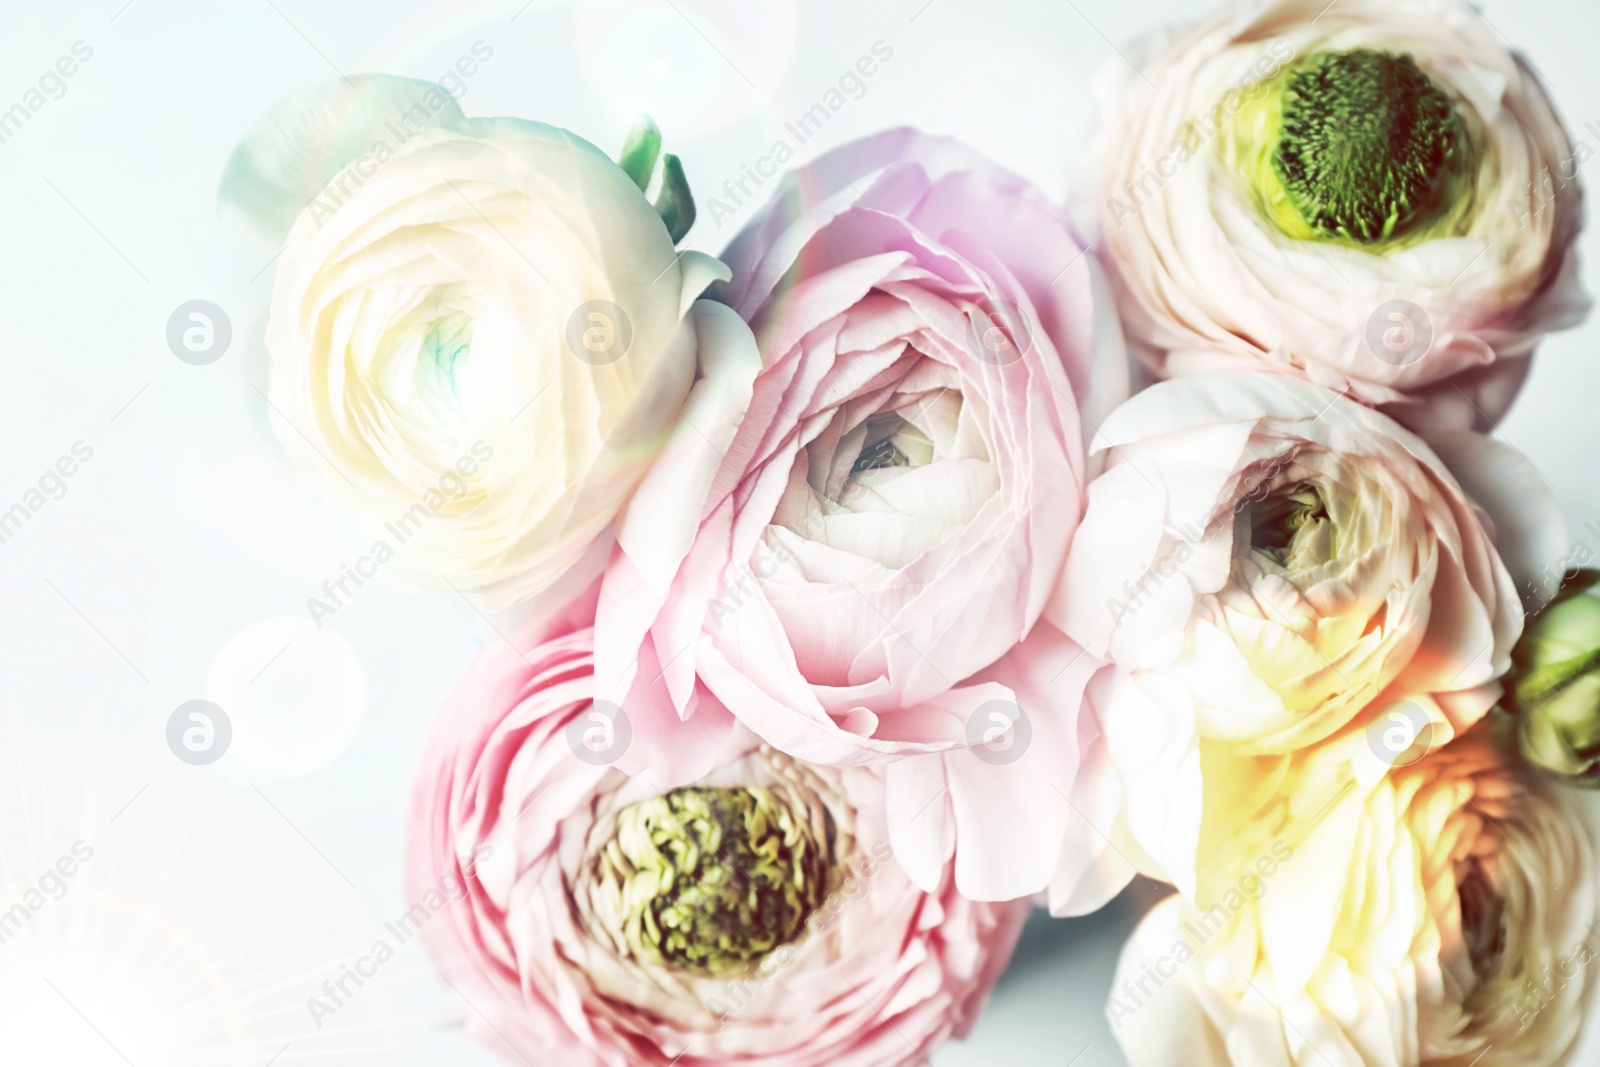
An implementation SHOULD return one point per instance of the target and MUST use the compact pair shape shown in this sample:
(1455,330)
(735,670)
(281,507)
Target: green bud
(1555,685)
(675,204)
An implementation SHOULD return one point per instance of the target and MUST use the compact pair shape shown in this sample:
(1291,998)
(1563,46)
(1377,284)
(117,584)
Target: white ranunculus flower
(1271,567)
(482,335)
(1376,197)
(1446,916)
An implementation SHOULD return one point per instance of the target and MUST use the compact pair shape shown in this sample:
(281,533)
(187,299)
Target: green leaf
(639,151)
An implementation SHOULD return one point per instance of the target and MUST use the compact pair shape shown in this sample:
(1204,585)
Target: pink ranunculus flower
(1272,570)
(885,524)
(1415,256)
(755,916)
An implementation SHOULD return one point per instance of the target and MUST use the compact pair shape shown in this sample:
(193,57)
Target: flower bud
(1556,691)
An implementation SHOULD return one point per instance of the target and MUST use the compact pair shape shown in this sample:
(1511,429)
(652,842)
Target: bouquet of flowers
(935,553)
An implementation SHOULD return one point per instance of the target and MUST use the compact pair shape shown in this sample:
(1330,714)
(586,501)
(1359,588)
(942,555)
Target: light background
(218,899)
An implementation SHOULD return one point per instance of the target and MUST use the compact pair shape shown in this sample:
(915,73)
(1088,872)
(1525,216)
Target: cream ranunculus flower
(1271,567)
(481,334)
(1377,197)
(1446,916)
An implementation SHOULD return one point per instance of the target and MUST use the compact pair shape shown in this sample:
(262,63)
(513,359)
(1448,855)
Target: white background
(218,899)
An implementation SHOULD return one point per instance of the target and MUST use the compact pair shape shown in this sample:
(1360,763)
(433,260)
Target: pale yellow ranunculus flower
(1442,915)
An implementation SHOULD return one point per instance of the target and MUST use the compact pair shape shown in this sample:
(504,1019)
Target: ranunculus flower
(1378,197)
(1446,916)
(1271,567)
(755,916)
(481,334)
(892,512)
(1556,687)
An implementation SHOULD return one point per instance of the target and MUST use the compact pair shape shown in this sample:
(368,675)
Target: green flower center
(1369,147)
(446,340)
(1291,527)
(714,878)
